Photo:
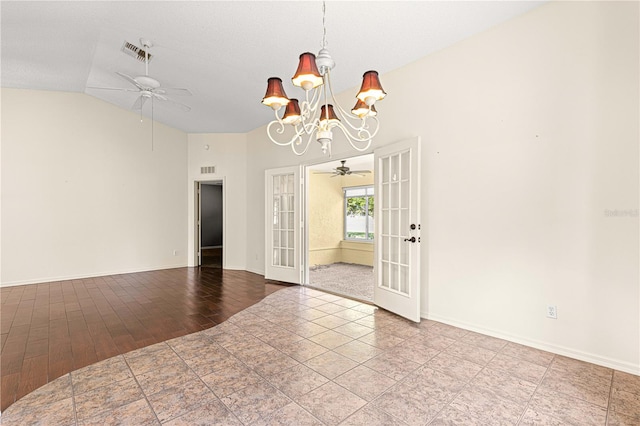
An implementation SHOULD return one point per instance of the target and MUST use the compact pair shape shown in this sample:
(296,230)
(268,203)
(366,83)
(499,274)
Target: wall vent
(208,170)
(135,51)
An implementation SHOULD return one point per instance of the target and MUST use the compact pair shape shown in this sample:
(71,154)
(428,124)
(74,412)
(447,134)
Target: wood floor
(51,329)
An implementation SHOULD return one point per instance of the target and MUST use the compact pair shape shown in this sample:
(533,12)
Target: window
(358,213)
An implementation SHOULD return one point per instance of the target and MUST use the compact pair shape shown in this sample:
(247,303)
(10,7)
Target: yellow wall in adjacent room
(326,222)
(325,219)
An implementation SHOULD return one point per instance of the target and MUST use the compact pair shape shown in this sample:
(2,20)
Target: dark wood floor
(51,329)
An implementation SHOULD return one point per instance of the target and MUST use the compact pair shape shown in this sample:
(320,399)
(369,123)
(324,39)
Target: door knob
(411,240)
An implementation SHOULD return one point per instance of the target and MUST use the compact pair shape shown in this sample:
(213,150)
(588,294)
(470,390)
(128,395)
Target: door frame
(304,195)
(196,246)
(376,243)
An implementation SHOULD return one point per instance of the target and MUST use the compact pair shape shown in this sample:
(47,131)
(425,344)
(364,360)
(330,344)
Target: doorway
(397,233)
(341,232)
(210,229)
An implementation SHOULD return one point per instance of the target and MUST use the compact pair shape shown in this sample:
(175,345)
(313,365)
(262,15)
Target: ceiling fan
(343,170)
(148,87)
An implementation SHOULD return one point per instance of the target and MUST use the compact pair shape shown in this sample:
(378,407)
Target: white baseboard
(616,364)
(91,275)
(255,271)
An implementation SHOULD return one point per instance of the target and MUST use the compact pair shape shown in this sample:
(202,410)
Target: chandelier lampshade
(307,76)
(314,116)
(362,110)
(371,89)
(275,96)
(327,113)
(292,112)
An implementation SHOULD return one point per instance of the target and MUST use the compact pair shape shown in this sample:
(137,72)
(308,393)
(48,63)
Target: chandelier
(315,115)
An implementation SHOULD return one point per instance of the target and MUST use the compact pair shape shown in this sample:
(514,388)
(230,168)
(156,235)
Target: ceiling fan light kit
(315,115)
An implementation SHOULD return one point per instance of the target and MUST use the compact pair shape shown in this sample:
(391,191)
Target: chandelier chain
(324,25)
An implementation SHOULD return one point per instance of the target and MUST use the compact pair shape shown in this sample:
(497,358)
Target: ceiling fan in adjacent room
(148,87)
(343,170)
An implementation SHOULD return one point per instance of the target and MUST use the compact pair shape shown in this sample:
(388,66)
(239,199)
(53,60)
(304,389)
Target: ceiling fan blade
(137,105)
(324,173)
(361,171)
(130,79)
(171,102)
(173,91)
(113,88)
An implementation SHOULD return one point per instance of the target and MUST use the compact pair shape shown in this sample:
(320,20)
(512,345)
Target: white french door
(397,215)
(283,226)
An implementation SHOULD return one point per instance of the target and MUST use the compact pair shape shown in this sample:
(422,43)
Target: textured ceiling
(224,51)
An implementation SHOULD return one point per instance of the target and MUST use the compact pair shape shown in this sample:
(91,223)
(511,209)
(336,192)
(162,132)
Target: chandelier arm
(295,140)
(306,116)
(306,146)
(310,127)
(315,99)
(353,140)
(279,131)
(347,114)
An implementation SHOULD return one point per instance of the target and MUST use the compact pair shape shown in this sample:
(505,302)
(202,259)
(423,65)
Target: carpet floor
(346,279)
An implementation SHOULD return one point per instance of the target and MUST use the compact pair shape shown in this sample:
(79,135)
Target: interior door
(283,225)
(397,214)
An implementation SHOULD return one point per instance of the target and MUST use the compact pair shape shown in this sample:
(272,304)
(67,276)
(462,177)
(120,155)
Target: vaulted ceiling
(224,51)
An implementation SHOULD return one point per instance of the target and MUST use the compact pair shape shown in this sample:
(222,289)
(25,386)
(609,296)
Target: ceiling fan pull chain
(152,124)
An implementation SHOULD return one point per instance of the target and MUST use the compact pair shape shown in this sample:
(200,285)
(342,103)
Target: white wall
(530,132)
(83,193)
(228,153)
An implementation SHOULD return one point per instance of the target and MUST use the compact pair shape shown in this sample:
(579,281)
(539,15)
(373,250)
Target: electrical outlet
(552,312)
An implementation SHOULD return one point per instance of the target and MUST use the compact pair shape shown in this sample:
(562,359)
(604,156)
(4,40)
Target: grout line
(144,395)
(536,390)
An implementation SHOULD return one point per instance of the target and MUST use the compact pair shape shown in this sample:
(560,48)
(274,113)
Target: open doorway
(211,221)
(340,241)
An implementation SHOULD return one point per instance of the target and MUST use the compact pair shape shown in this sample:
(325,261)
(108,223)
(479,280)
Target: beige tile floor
(303,357)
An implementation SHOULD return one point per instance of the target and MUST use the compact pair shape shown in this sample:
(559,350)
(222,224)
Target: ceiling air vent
(208,170)
(134,51)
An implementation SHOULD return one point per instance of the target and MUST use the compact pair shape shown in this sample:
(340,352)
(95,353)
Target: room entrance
(340,223)
(210,224)
(396,234)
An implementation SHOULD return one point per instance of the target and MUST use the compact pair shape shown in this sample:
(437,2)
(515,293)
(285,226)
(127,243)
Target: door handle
(411,240)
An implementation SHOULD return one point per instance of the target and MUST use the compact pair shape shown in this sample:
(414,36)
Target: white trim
(47,280)
(192,249)
(255,271)
(616,364)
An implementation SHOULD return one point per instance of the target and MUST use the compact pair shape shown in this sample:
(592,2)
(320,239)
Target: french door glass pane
(385,275)
(404,194)
(394,249)
(395,170)
(404,279)
(385,170)
(283,226)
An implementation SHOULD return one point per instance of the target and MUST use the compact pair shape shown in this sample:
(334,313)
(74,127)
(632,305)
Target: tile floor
(303,357)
